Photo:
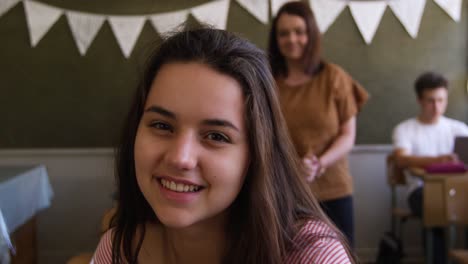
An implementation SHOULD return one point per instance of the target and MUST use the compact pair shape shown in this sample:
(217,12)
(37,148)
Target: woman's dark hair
(311,58)
(429,81)
(274,197)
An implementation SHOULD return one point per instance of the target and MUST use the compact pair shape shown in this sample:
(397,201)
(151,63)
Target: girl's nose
(292,37)
(182,152)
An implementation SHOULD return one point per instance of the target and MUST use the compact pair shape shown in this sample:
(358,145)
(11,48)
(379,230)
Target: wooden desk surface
(445,198)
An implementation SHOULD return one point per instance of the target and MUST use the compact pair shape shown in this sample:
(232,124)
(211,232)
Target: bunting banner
(126,30)
(367,16)
(326,12)
(258,9)
(40,18)
(85,26)
(409,13)
(452,7)
(214,13)
(6,5)
(168,21)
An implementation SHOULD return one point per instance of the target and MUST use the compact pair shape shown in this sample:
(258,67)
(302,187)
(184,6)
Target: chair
(106,219)
(85,258)
(395,178)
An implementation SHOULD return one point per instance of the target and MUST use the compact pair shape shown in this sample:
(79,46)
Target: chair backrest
(106,219)
(395,175)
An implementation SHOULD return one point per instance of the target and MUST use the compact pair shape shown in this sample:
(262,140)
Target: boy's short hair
(429,81)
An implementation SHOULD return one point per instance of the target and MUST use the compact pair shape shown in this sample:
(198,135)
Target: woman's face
(291,34)
(191,147)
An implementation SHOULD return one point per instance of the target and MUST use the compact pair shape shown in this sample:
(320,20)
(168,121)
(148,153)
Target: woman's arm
(342,144)
(315,166)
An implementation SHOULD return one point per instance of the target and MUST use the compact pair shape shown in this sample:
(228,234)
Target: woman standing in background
(320,102)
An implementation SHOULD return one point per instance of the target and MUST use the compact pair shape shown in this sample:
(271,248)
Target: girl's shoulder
(315,231)
(317,242)
(103,253)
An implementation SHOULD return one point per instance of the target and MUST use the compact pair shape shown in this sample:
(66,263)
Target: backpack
(390,249)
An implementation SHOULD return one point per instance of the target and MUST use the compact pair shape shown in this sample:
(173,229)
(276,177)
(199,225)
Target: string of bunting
(85,26)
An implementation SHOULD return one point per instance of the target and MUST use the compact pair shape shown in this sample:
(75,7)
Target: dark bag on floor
(390,250)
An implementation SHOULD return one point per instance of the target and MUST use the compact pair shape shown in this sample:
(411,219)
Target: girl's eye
(218,137)
(160,126)
(283,33)
(300,32)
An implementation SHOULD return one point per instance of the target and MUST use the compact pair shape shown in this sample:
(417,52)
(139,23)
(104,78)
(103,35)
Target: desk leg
(24,238)
(451,238)
(429,242)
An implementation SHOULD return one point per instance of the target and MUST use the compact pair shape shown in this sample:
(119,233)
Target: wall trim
(361,148)
(372,148)
(57,152)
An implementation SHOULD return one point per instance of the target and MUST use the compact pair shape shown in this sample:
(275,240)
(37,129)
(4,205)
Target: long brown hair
(311,58)
(273,200)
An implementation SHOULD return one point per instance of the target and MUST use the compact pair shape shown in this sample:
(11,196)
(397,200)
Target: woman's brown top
(314,112)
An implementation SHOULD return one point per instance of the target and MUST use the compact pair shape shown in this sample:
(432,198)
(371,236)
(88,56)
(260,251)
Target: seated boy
(427,139)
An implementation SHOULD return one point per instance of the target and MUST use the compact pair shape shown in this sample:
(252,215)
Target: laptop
(461,149)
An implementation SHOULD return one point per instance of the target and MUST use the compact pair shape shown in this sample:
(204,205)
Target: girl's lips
(179,187)
(178,193)
(177,180)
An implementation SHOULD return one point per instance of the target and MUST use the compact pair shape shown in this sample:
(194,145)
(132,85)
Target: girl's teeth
(178,187)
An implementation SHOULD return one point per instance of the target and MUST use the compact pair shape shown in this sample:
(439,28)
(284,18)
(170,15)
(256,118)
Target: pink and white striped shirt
(315,243)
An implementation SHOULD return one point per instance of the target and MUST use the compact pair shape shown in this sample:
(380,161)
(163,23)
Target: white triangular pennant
(214,13)
(276,5)
(258,8)
(84,28)
(6,5)
(40,17)
(452,7)
(367,16)
(409,13)
(126,30)
(168,21)
(326,12)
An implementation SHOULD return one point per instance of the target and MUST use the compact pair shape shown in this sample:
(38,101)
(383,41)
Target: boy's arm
(404,160)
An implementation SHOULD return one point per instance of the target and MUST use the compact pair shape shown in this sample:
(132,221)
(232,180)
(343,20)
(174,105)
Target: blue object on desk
(24,191)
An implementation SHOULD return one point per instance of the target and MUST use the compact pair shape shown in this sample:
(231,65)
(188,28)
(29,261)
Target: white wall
(83,183)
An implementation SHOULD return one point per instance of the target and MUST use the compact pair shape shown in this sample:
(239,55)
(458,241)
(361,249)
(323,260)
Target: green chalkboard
(52,97)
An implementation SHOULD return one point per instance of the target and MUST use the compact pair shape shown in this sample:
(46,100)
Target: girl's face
(191,147)
(291,34)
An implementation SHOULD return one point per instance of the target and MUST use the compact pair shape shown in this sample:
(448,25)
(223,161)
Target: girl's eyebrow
(210,122)
(220,122)
(161,111)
